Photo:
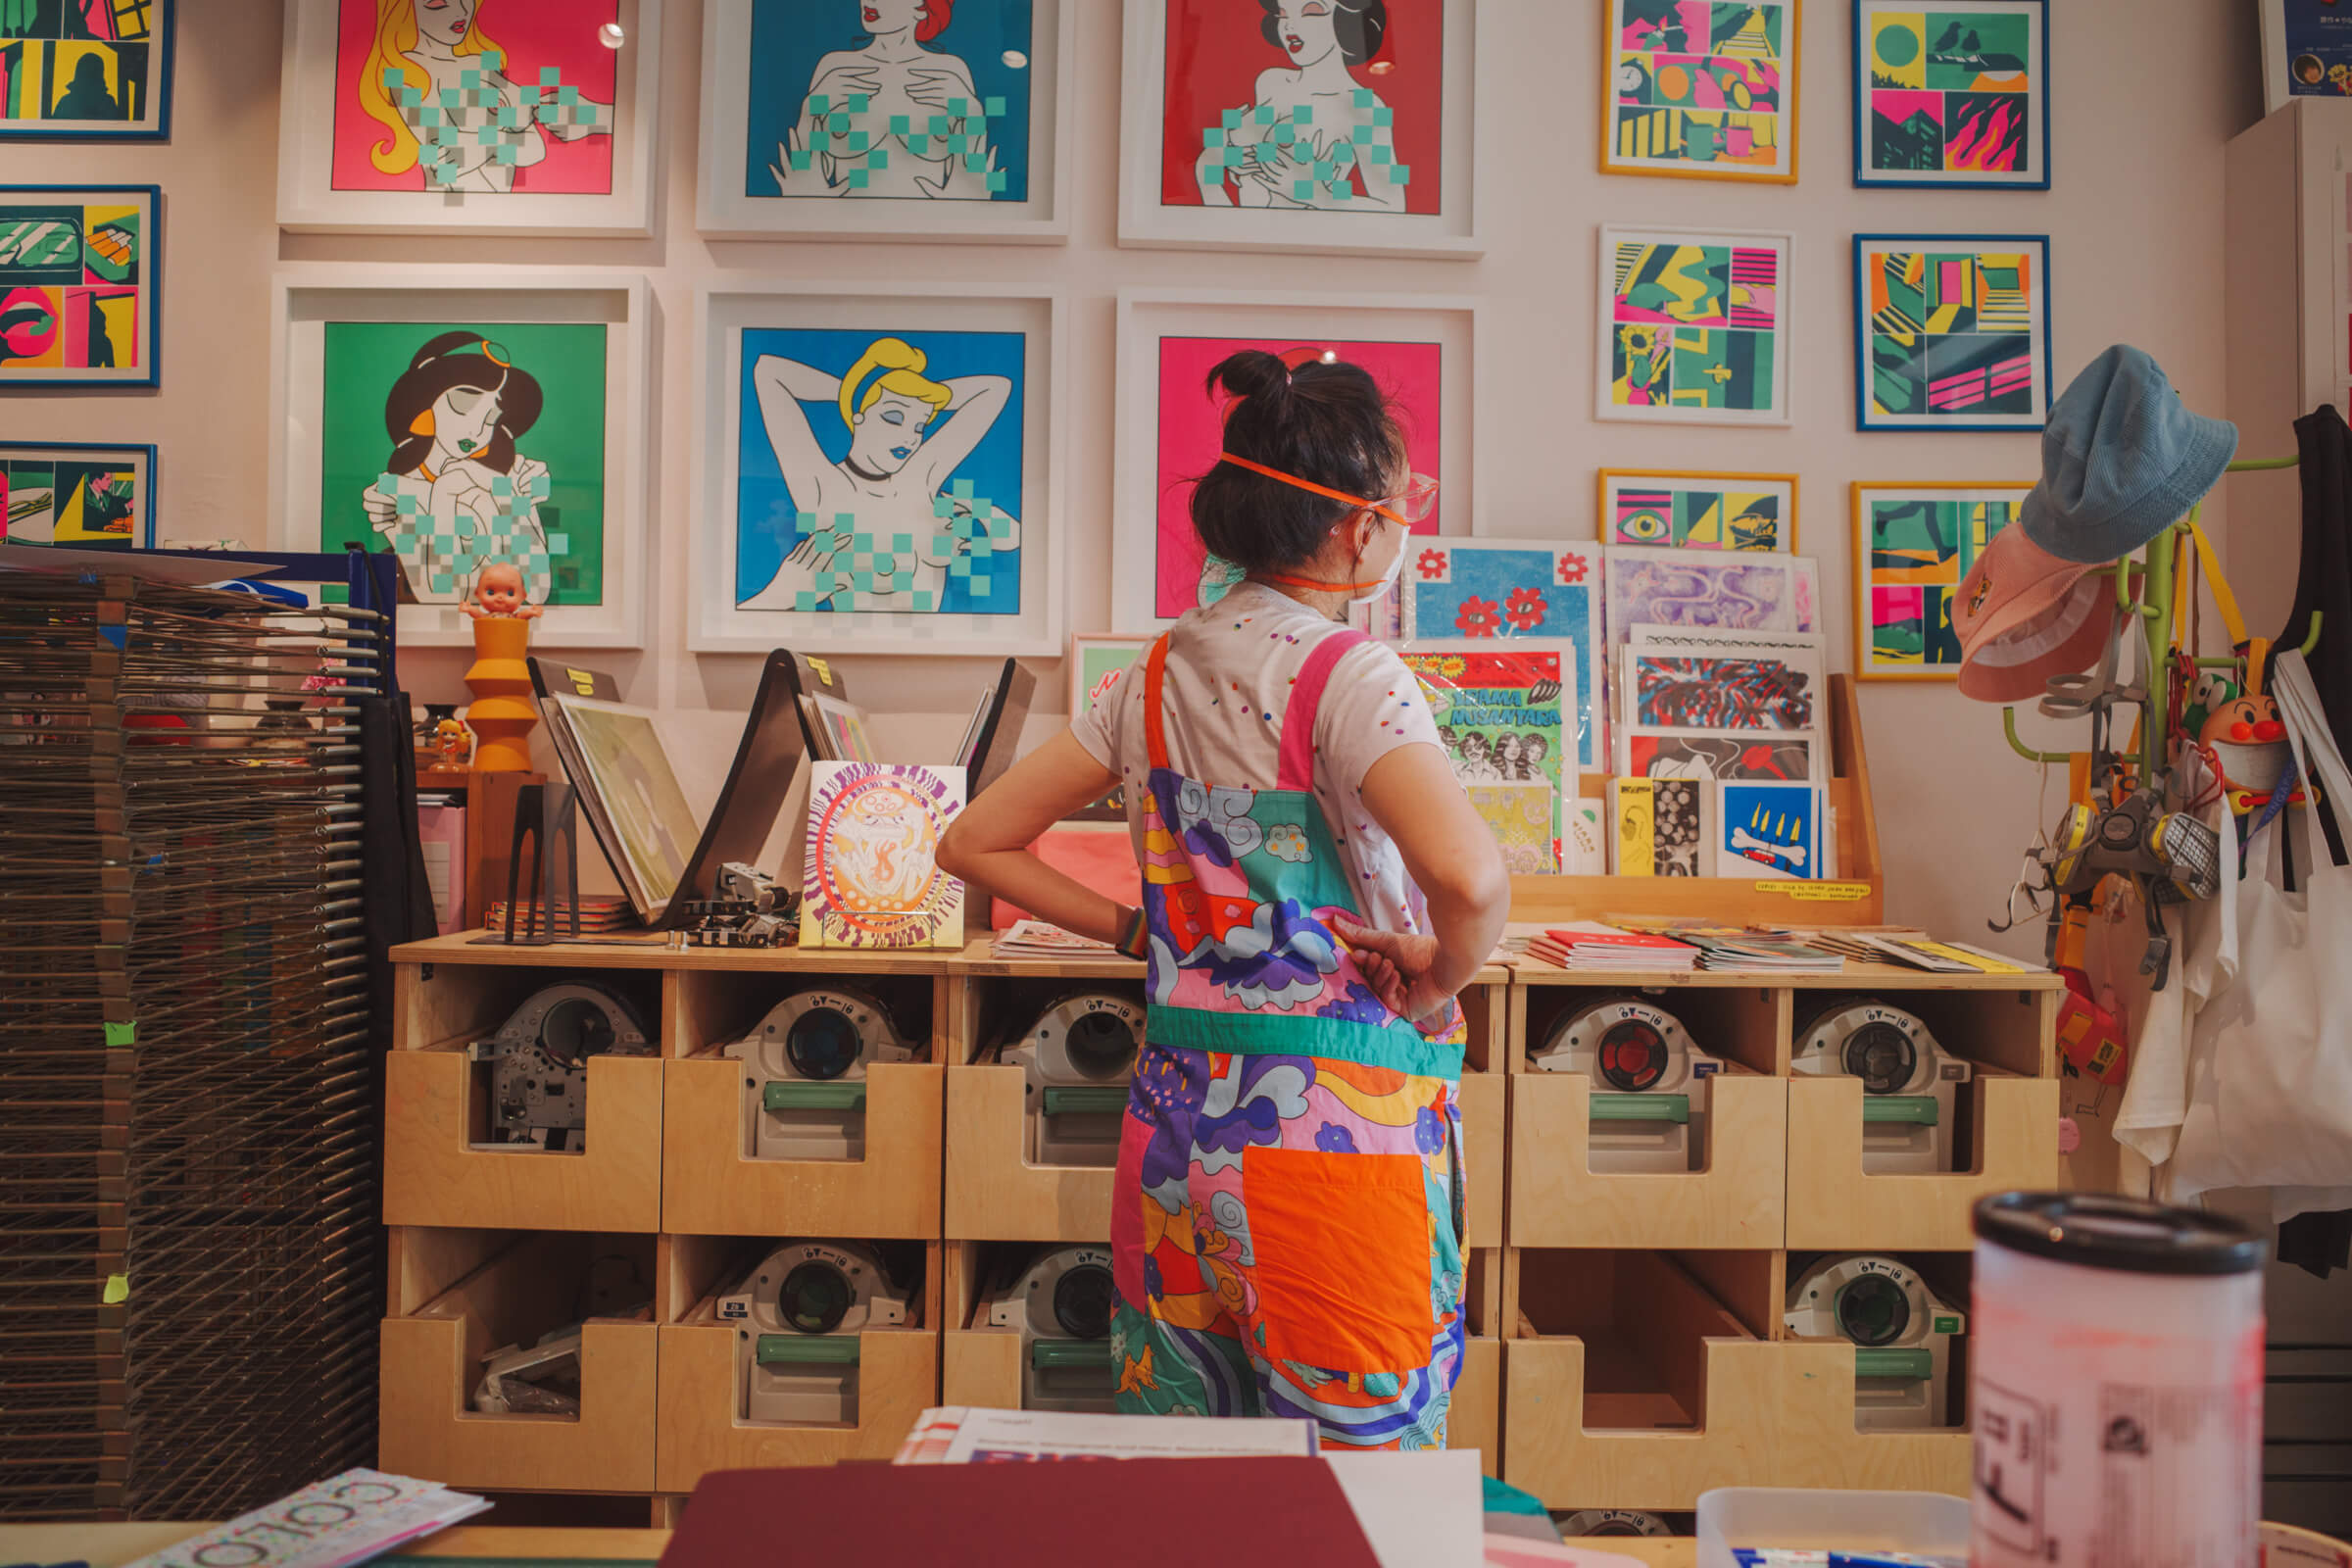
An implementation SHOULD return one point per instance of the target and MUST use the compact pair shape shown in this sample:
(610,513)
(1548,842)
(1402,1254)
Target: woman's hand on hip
(1396,966)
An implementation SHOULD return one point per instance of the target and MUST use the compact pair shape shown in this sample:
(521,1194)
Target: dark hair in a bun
(1360,24)
(1329,424)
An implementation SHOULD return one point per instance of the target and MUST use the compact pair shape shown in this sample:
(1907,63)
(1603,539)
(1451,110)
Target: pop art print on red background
(1309,104)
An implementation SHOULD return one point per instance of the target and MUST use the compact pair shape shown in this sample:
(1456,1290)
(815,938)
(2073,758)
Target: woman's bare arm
(988,843)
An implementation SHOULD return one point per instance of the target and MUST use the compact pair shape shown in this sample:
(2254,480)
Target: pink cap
(2023,615)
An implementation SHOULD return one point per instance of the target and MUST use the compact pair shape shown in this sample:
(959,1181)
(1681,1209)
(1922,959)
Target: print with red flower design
(1526,610)
(1433,564)
(1479,617)
(1573,568)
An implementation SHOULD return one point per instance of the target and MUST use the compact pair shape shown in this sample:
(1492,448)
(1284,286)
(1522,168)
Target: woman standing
(1287,1218)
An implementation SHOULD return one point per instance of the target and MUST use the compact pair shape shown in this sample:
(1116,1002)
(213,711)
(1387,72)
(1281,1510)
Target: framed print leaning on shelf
(1693,327)
(1952,95)
(1699,510)
(1913,546)
(79,286)
(1296,125)
(1701,90)
(879,470)
(77,493)
(886,119)
(86,69)
(1171,427)
(1952,331)
(462,417)
(482,116)
(1097,663)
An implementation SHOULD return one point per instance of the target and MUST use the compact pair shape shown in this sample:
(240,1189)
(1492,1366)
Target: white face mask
(1388,581)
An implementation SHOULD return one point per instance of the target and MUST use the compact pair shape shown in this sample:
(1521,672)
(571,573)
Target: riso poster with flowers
(1477,590)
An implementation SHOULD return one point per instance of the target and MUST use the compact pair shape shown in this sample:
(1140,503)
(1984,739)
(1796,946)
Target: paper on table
(344,1519)
(1418,1510)
(1509,1551)
(984,1437)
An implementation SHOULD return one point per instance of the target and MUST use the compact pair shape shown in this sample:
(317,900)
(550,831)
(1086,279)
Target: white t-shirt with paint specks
(1230,669)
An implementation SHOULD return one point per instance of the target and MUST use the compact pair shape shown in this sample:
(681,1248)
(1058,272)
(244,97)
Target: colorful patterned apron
(1287,1213)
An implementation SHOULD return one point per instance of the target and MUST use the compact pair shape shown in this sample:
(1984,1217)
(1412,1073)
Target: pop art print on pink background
(1190,434)
(475,96)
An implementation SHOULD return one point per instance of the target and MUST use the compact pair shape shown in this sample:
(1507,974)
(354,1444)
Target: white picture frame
(1147,315)
(303,301)
(1145,218)
(1638,247)
(721,621)
(313,111)
(725,208)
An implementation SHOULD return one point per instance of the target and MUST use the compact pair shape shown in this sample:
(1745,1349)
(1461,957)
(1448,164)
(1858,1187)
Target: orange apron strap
(1156,739)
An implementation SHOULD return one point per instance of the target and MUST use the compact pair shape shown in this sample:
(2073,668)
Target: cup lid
(2100,1230)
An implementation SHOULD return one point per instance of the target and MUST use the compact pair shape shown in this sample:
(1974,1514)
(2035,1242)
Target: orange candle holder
(503,714)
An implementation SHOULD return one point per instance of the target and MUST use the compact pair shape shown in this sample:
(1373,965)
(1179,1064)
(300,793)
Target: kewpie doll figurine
(498,595)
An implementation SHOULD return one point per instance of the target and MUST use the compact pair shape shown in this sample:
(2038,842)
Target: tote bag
(2271,1050)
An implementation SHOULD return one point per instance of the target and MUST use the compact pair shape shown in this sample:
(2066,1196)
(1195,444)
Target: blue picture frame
(162,29)
(144,278)
(13,454)
(1981,110)
(1971,379)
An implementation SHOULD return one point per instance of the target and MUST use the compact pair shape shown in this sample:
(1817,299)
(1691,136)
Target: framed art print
(1171,428)
(2306,51)
(1096,663)
(86,69)
(878,470)
(75,493)
(78,285)
(1701,90)
(1736,591)
(482,116)
(1952,95)
(1751,688)
(885,118)
(1694,328)
(1340,126)
(466,418)
(1913,546)
(1464,593)
(1713,754)
(1767,830)
(1952,331)
(1699,510)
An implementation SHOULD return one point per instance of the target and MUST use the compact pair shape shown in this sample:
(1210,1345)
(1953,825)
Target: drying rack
(2154,612)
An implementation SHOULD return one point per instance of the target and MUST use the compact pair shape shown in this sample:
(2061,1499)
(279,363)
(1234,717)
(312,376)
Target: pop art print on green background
(460,444)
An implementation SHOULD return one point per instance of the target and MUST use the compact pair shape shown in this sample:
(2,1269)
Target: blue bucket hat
(2122,460)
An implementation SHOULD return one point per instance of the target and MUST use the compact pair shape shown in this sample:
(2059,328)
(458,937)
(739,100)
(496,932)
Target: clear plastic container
(1833,1521)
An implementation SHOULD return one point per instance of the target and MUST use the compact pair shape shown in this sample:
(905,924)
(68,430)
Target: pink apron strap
(1297,768)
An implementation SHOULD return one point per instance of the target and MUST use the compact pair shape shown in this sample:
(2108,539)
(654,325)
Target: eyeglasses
(1408,507)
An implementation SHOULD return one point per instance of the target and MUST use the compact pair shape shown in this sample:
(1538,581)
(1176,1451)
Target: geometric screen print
(1693,327)
(1953,92)
(1953,334)
(1919,546)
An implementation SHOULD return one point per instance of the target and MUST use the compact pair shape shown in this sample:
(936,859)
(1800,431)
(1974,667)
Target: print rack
(1627,1344)
(1856,897)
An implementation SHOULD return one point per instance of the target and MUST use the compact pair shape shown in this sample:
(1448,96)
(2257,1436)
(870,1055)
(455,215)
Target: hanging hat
(2022,616)
(2122,460)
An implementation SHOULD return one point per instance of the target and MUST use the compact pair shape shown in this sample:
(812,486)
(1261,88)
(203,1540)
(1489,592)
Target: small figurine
(498,595)
(2243,731)
(453,741)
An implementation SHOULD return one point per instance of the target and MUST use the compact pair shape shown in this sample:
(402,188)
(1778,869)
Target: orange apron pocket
(1340,1245)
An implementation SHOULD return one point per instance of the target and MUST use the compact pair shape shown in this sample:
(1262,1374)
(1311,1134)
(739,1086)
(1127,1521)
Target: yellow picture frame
(1604,527)
(1868,665)
(1614,163)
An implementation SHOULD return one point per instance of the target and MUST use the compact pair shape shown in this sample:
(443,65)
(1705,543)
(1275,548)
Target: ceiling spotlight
(610,35)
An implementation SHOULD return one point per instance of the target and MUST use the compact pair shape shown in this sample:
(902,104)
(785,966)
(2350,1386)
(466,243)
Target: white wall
(2147,94)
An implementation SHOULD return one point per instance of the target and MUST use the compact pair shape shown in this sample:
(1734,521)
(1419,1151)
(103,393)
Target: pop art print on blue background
(1767,830)
(1469,591)
(899,492)
(918,100)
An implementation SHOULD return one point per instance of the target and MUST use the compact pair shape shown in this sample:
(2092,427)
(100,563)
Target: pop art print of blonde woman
(435,81)
(897,117)
(908,434)
(1313,129)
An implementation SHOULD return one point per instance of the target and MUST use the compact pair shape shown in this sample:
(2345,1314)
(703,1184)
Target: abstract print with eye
(1723,513)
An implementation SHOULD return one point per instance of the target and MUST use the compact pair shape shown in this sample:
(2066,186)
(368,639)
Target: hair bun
(1252,373)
